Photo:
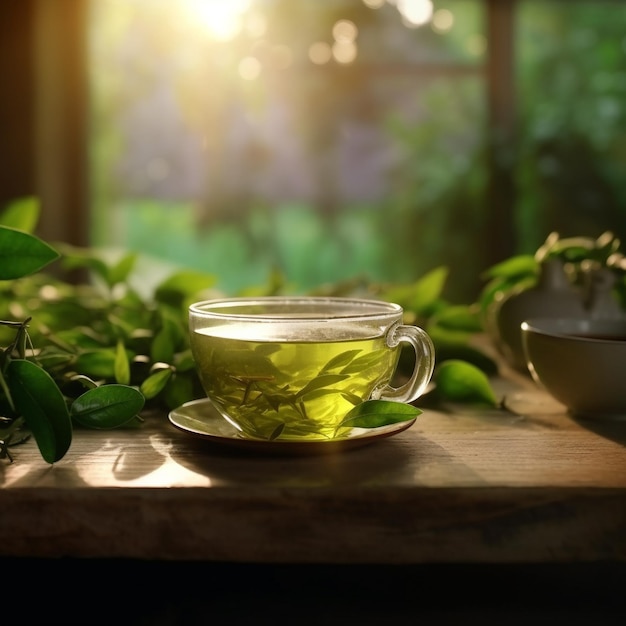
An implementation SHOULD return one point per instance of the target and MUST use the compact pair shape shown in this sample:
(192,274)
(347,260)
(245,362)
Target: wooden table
(465,486)
(470,516)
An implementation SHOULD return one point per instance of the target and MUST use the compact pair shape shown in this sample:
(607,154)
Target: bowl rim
(575,329)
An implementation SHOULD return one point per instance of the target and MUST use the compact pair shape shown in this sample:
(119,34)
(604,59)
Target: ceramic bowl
(580,362)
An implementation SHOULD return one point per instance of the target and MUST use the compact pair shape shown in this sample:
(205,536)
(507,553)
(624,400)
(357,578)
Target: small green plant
(581,256)
(30,398)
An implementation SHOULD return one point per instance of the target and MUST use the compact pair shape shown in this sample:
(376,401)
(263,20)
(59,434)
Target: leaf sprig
(30,397)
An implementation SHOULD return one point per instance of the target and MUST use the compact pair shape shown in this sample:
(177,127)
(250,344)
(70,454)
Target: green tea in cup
(291,368)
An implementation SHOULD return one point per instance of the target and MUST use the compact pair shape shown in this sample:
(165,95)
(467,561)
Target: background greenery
(423,91)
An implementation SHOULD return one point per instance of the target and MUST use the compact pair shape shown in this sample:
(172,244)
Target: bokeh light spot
(320,53)
(344,51)
(443,21)
(345,31)
(249,68)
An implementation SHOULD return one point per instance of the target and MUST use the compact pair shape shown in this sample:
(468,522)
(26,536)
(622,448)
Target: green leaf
(429,289)
(121,365)
(22,254)
(499,287)
(459,317)
(85,381)
(375,413)
(184,361)
(340,360)
(181,389)
(446,336)
(320,382)
(155,383)
(422,295)
(42,405)
(467,353)
(120,271)
(514,267)
(461,381)
(97,363)
(78,258)
(164,343)
(22,214)
(107,406)
(178,286)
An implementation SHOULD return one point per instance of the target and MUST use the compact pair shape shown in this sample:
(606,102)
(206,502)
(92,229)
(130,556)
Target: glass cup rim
(355,308)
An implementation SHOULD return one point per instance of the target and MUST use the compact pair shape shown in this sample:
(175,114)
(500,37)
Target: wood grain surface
(527,484)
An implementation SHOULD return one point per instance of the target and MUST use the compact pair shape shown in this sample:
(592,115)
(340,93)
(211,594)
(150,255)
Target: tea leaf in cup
(364,362)
(320,382)
(340,360)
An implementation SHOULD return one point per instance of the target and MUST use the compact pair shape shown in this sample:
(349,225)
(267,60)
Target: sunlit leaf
(42,405)
(174,289)
(429,289)
(513,267)
(107,406)
(121,365)
(422,295)
(155,383)
(459,317)
(461,381)
(447,336)
(85,381)
(120,271)
(22,214)
(22,254)
(375,413)
(498,287)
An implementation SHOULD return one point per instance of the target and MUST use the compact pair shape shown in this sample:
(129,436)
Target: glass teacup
(291,368)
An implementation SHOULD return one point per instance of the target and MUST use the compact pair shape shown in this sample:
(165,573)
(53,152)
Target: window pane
(572,87)
(325,140)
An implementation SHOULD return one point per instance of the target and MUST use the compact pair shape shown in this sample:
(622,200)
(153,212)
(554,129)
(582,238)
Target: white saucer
(200,418)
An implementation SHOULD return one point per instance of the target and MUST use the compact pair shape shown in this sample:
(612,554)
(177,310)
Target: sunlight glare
(415,12)
(223,20)
(373,4)
(256,24)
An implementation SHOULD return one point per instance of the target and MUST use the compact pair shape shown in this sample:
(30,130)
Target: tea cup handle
(424,363)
